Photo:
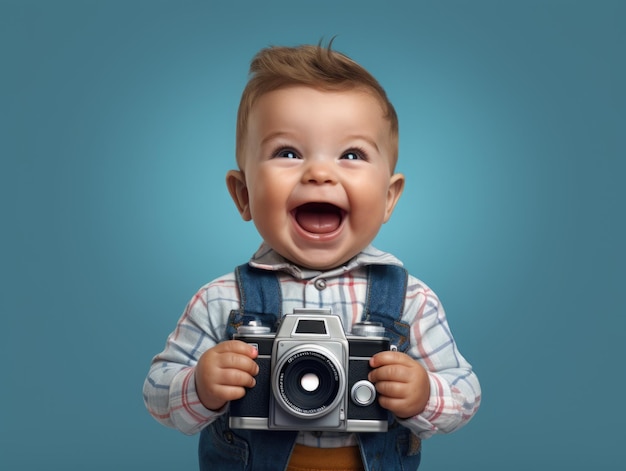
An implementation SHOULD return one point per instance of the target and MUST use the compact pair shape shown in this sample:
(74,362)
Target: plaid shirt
(169,390)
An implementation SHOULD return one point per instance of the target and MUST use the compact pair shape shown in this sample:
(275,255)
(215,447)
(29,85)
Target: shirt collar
(268,259)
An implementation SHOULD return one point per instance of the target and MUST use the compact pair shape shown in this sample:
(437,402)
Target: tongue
(318,220)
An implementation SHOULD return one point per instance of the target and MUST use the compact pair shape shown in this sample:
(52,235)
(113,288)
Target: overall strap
(259,290)
(259,298)
(398,448)
(386,291)
(220,447)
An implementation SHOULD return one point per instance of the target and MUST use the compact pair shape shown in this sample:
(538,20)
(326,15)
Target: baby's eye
(353,155)
(287,154)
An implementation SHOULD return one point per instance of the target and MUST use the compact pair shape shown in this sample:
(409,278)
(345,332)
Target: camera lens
(309,382)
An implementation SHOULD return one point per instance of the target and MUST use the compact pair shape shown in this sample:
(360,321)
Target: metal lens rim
(320,353)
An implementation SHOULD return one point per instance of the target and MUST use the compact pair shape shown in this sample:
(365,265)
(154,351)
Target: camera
(312,376)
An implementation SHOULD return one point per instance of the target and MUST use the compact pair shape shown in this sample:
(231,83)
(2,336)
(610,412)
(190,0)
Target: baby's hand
(401,382)
(224,371)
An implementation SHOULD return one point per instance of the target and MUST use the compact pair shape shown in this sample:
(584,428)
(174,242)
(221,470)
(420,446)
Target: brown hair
(319,67)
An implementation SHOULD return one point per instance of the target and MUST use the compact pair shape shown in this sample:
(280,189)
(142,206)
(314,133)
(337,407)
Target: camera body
(312,376)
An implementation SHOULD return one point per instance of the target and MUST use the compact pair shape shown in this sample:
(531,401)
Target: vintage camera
(312,376)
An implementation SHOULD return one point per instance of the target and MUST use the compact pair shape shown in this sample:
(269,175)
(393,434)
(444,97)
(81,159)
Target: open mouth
(319,218)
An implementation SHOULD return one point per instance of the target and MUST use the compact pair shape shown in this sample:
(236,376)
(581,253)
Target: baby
(317,146)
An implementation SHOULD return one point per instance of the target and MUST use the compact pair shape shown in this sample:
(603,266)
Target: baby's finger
(393,372)
(238,362)
(388,358)
(237,346)
(391,389)
(237,378)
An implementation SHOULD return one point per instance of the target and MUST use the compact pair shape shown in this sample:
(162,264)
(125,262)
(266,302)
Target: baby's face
(316,177)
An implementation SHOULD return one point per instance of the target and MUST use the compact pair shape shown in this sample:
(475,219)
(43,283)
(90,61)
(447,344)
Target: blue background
(117,128)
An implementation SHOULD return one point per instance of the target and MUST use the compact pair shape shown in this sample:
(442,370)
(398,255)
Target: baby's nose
(319,172)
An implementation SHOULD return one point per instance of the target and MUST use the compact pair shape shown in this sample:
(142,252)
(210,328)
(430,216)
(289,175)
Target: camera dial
(253,329)
(368,329)
(252,325)
(363,393)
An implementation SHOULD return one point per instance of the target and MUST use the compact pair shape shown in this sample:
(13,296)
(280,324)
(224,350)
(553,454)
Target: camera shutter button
(363,393)
(320,284)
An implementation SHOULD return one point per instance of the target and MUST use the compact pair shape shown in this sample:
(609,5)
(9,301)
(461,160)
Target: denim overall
(222,448)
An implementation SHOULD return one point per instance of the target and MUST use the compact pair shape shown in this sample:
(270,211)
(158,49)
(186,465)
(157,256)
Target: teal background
(117,128)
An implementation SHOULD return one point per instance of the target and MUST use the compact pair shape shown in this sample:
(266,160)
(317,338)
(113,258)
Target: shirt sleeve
(169,390)
(454,388)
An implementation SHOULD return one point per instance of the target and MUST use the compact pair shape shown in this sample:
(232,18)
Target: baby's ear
(396,186)
(236,183)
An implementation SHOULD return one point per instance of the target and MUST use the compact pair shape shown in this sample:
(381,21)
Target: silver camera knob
(368,329)
(253,330)
(363,393)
